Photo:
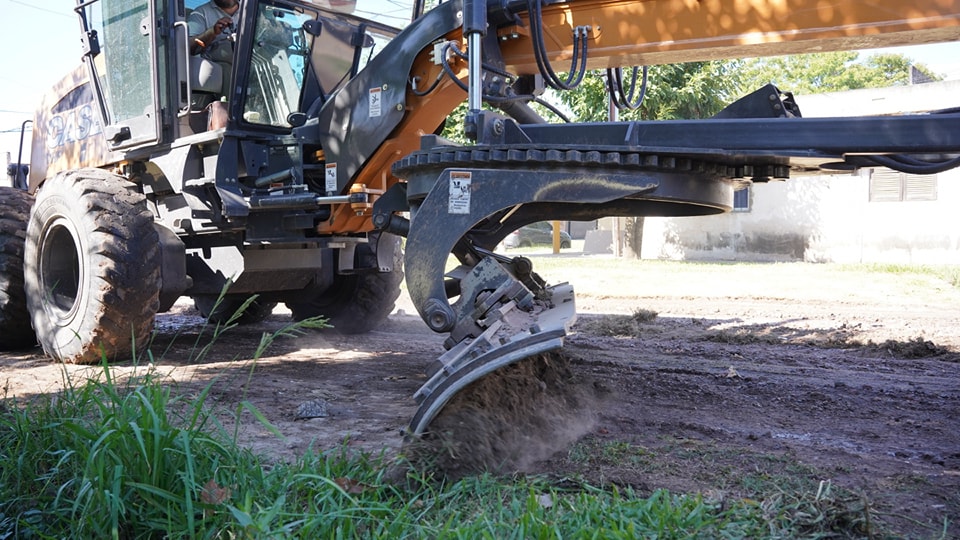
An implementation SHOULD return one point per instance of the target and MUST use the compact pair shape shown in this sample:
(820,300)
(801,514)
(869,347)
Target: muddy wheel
(15,329)
(218,313)
(357,303)
(92,267)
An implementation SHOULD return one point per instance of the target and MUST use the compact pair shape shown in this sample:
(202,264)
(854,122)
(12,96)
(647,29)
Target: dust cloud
(507,421)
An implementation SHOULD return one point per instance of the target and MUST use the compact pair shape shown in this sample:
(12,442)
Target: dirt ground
(747,373)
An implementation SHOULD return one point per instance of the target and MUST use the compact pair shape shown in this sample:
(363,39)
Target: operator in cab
(211,26)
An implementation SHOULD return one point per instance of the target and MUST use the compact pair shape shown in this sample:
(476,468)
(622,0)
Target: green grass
(132,458)
(948,273)
(111,459)
(769,495)
(555,265)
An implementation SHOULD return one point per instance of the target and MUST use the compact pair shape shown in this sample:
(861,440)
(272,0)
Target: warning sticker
(459,192)
(376,95)
(330,179)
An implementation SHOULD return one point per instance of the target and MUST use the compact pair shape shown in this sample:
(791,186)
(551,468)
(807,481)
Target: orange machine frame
(647,32)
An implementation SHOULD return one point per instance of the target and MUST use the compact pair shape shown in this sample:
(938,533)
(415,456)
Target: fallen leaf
(211,493)
(545,500)
(350,485)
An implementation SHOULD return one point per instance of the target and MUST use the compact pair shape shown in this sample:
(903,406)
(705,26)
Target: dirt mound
(510,419)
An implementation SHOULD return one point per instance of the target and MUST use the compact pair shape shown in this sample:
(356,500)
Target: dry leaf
(214,494)
(350,485)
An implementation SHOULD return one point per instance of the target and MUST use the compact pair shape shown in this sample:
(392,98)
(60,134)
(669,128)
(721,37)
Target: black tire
(526,244)
(565,244)
(219,313)
(15,330)
(357,303)
(92,267)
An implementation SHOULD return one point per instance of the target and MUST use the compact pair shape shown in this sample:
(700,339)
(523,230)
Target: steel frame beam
(675,31)
(784,137)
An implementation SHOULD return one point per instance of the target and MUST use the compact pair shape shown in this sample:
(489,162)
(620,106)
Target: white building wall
(828,218)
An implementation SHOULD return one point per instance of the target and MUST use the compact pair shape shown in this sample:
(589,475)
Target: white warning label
(459,192)
(376,101)
(330,179)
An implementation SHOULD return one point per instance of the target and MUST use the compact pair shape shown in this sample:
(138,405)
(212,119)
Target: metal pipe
(474,28)
(17,183)
(188,99)
(336,199)
(278,176)
(297,200)
(475,72)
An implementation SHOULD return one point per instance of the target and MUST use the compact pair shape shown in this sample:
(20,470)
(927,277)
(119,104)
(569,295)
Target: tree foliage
(829,72)
(695,90)
(701,89)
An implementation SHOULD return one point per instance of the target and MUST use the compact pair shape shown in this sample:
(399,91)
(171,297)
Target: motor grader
(293,172)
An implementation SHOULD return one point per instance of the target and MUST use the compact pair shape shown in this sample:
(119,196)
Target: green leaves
(829,72)
(675,91)
(701,89)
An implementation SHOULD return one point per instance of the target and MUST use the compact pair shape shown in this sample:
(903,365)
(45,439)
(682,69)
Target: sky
(40,43)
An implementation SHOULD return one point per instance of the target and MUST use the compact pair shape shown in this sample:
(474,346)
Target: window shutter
(885,185)
(920,187)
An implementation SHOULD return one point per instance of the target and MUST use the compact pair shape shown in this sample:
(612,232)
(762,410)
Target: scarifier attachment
(500,321)
(465,200)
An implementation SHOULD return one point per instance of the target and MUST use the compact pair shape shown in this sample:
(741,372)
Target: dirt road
(828,375)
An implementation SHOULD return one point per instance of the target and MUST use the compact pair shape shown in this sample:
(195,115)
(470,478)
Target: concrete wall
(879,101)
(828,218)
(818,219)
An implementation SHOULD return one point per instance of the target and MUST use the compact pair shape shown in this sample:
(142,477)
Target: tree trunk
(634,237)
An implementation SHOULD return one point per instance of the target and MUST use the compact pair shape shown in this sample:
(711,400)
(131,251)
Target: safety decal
(459,192)
(330,179)
(376,97)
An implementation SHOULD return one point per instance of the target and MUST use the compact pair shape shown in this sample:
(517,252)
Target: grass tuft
(911,348)
(634,325)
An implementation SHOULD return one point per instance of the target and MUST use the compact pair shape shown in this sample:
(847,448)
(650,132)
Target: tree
(829,72)
(701,89)
(675,91)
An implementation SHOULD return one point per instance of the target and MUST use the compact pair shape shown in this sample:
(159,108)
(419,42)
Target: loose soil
(809,375)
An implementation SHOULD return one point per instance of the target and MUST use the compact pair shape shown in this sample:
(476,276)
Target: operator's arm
(202,38)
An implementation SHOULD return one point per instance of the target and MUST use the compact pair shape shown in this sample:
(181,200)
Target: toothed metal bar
(513,336)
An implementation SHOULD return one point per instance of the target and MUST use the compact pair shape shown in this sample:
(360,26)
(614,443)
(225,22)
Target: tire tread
(15,329)
(124,292)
